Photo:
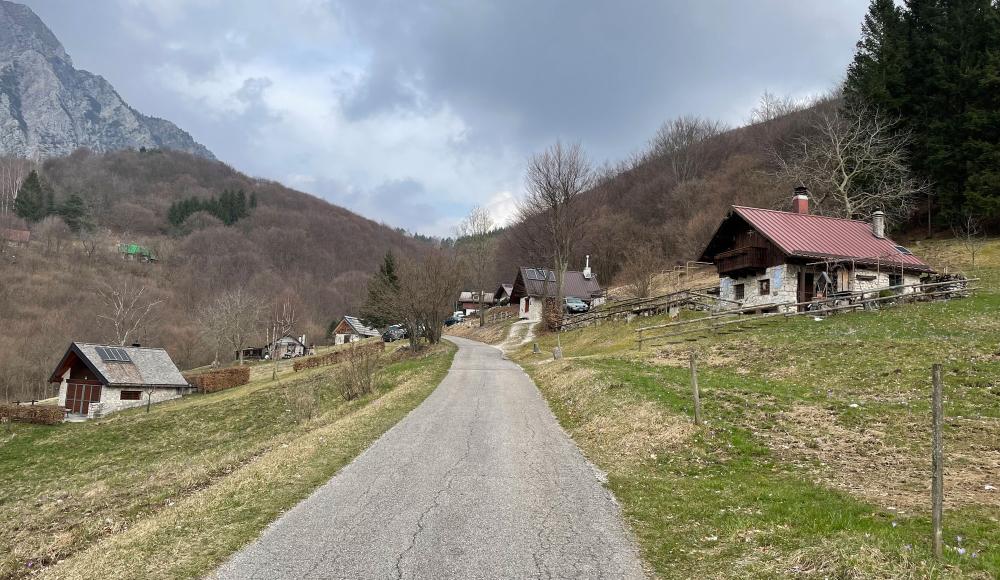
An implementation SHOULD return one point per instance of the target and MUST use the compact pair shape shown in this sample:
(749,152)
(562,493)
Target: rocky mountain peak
(48,108)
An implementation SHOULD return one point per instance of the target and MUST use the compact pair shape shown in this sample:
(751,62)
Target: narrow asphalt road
(478,482)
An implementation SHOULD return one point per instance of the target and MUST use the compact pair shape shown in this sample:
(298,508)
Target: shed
(351,329)
(502,296)
(96,379)
(15,237)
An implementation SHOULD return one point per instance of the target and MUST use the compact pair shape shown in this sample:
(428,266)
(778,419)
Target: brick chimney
(878,224)
(800,203)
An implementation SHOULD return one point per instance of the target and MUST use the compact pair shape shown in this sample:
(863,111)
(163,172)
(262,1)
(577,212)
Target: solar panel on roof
(904,251)
(112,354)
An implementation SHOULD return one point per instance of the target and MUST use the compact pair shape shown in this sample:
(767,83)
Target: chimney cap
(801,190)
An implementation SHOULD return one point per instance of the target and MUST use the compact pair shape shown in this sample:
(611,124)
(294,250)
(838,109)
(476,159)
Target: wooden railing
(643,307)
(858,300)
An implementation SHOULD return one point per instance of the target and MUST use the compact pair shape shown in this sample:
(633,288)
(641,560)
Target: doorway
(807,288)
(79,396)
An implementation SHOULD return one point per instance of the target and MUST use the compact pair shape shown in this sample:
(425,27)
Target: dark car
(452,320)
(575,305)
(393,333)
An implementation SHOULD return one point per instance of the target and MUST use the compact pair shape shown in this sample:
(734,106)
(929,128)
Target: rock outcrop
(49,108)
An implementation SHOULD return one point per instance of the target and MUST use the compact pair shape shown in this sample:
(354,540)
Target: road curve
(479,481)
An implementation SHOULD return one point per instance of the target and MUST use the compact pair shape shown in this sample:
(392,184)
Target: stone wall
(111,400)
(783,282)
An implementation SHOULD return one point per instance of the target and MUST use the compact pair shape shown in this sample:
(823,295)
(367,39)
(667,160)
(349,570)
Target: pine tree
(376,312)
(877,73)
(74,212)
(31,203)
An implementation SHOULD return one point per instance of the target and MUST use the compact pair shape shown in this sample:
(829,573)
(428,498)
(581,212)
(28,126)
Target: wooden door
(79,396)
(807,288)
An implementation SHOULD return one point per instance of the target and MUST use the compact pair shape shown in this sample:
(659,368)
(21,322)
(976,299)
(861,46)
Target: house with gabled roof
(96,379)
(776,259)
(351,329)
(532,285)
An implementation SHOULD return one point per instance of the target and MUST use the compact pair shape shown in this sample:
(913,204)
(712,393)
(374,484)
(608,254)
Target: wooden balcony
(746,259)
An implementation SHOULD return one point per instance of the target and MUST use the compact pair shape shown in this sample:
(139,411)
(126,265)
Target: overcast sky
(412,112)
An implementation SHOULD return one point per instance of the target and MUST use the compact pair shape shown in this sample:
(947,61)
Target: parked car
(452,320)
(575,305)
(394,333)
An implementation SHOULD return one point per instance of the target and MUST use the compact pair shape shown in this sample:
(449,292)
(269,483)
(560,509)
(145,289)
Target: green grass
(814,461)
(127,494)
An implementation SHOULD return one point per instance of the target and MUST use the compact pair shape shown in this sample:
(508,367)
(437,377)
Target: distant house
(502,296)
(351,329)
(532,284)
(95,379)
(285,347)
(15,237)
(136,252)
(776,259)
(469,300)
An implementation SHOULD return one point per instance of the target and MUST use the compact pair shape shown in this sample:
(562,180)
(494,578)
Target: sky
(412,112)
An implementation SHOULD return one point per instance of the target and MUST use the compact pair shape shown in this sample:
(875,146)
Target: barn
(96,379)
(777,259)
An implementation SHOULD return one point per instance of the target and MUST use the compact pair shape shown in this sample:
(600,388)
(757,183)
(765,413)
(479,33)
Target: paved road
(478,482)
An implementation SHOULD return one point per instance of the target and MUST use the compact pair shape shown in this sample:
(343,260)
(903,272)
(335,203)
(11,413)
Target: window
(764,286)
(739,291)
(895,279)
(131,395)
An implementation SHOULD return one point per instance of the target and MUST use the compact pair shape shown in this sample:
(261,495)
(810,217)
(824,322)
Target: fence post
(694,388)
(937,461)
(640,339)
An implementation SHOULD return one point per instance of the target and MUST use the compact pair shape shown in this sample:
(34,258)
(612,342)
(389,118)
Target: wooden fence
(632,307)
(843,302)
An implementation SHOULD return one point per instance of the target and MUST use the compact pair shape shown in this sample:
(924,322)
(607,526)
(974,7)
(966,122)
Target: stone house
(351,329)
(532,285)
(777,259)
(95,379)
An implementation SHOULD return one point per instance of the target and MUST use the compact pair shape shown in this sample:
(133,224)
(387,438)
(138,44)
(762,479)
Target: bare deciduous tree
(53,232)
(771,106)
(680,141)
(854,163)
(279,326)
(551,209)
(126,308)
(476,242)
(969,231)
(640,270)
(238,312)
(12,173)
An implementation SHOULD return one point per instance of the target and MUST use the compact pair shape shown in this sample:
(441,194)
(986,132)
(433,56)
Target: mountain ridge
(49,108)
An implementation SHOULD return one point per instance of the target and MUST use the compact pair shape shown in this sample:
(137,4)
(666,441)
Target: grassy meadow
(171,493)
(814,460)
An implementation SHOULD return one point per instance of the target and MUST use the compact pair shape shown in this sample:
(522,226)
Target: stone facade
(781,287)
(111,398)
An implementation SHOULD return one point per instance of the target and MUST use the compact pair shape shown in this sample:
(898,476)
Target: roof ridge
(815,215)
(117,346)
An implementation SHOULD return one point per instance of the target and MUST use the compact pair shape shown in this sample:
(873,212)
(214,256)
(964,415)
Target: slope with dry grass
(171,493)
(815,458)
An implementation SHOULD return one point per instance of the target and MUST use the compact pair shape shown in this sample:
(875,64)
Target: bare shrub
(640,270)
(362,372)
(303,400)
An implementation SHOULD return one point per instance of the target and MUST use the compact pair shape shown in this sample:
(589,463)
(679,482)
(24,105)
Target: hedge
(41,414)
(332,358)
(218,380)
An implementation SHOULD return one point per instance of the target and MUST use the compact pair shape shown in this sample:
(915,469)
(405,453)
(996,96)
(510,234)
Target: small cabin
(351,329)
(532,285)
(502,296)
(778,259)
(96,379)
(468,301)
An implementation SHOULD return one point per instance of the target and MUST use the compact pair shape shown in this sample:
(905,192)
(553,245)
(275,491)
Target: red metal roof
(814,236)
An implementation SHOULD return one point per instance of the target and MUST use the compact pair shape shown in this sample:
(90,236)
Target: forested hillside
(289,247)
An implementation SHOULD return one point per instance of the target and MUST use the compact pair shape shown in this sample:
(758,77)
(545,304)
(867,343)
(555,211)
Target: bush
(218,380)
(335,357)
(303,400)
(41,414)
(362,373)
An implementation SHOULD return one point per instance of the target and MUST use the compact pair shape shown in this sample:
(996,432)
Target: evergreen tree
(876,74)
(74,212)
(31,203)
(383,284)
